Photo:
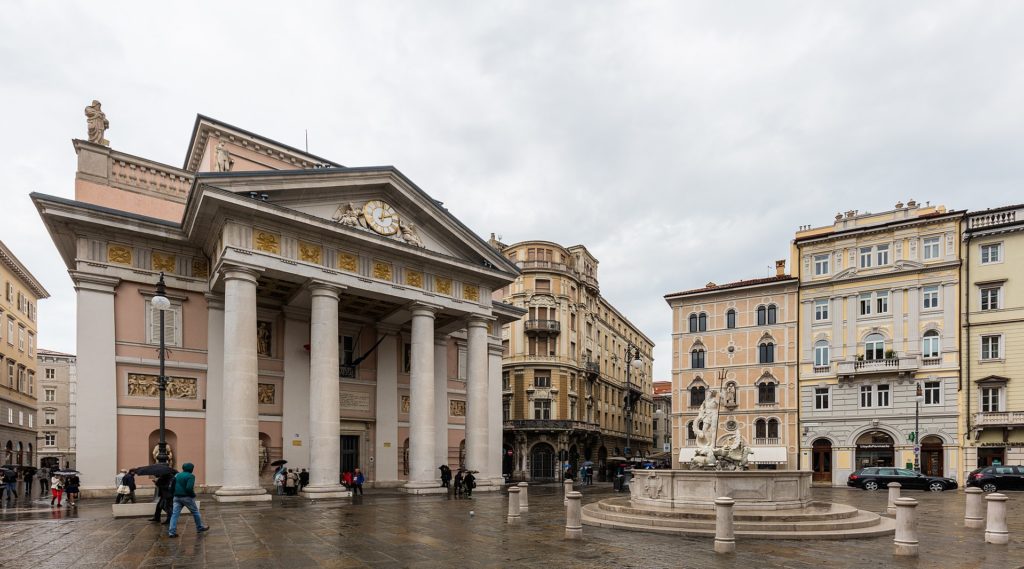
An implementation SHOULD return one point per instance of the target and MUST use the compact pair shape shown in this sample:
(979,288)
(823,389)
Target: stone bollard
(567,489)
(974,517)
(725,537)
(574,516)
(905,542)
(894,494)
(995,527)
(513,505)
(524,497)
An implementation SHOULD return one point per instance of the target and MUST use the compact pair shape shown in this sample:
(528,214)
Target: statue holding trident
(732,456)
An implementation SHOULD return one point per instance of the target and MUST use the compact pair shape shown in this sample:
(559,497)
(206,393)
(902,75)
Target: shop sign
(874,445)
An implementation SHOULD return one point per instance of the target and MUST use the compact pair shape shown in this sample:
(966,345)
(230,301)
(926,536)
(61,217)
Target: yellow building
(564,367)
(20,293)
(879,341)
(739,339)
(992,398)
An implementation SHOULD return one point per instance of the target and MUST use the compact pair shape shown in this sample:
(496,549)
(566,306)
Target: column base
(907,549)
(325,492)
(974,523)
(574,533)
(423,487)
(723,546)
(242,495)
(997,538)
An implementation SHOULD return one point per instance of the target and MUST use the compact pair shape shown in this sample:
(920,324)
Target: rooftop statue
(97,122)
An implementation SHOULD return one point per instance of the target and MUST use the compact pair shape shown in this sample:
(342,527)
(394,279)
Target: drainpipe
(965,355)
(799,427)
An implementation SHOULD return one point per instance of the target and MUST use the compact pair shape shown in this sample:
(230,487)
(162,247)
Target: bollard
(524,497)
(894,494)
(905,542)
(574,516)
(974,517)
(513,505)
(566,488)
(725,537)
(995,526)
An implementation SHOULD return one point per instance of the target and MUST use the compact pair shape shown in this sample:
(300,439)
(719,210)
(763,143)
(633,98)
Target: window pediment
(992,381)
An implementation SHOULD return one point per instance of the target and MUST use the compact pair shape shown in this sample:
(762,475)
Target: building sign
(355,401)
(875,445)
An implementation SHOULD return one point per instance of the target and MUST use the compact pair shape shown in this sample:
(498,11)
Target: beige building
(564,369)
(879,341)
(739,339)
(992,394)
(58,383)
(20,294)
(661,421)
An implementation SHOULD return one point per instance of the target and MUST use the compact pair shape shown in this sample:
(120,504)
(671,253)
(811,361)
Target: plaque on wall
(355,401)
(267,393)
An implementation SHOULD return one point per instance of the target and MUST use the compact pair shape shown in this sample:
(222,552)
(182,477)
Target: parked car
(877,477)
(992,478)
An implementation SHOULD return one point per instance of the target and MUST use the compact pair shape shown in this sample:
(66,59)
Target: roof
(712,287)
(7,257)
(52,353)
(662,387)
(923,218)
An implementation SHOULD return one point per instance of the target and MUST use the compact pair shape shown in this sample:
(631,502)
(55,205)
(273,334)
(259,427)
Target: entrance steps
(820,520)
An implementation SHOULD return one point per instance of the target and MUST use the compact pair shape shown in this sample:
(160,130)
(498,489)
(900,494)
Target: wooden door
(821,461)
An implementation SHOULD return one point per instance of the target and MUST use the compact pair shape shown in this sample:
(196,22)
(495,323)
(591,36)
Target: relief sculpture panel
(456,408)
(267,393)
(147,385)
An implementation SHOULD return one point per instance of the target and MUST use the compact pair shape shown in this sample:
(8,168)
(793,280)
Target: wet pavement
(386,529)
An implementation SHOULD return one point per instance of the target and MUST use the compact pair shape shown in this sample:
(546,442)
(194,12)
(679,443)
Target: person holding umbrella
(279,475)
(164,475)
(446,476)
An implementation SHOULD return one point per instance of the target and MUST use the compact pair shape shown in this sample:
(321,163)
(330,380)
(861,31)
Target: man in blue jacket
(185,497)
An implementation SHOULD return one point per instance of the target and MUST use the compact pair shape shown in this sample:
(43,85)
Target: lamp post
(918,398)
(632,362)
(161,303)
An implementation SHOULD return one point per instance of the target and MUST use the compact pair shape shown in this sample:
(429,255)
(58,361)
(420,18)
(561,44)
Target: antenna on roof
(307,141)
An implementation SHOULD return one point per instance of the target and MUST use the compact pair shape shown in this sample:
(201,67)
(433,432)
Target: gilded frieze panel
(267,242)
(348,262)
(267,393)
(119,254)
(471,292)
(382,271)
(443,285)
(310,253)
(163,262)
(147,385)
(414,278)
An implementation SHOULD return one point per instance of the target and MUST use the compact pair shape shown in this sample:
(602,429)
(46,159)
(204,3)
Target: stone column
(214,389)
(441,402)
(524,496)
(325,397)
(240,412)
(422,430)
(725,537)
(476,396)
(387,443)
(995,527)
(96,454)
(295,422)
(495,421)
(894,494)
(574,516)
(905,542)
(513,505)
(974,516)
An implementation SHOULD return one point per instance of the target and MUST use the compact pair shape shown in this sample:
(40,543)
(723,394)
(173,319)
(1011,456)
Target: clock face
(381,217)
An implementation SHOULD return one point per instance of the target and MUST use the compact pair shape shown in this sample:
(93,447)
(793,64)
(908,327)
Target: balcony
(592,369)
(590,282)
(550,425)
(902,365)
(819,370)
(543,327)
(933,361)
(994,219)
(767,441)
(999,419)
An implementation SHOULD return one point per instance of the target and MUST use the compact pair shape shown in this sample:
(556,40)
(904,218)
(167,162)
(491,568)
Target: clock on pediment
(381,217)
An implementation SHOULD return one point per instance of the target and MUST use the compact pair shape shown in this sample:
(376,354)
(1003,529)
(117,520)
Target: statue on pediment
(409,234)
(97,122)
(348,215)
(224,159)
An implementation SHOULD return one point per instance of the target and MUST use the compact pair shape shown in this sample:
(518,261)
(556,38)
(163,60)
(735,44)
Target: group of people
(586,474)
(353,481)
(19,482)
(463,483)
(64,487)
(289,481)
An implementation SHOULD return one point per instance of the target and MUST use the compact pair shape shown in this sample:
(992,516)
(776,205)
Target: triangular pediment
(216,146)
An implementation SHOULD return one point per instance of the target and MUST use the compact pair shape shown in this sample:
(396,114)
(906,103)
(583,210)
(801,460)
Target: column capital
(479,321)
(440,339)
(214,301)
(240,272)
(296,313)
(323,288)
(424,309)
(93,282)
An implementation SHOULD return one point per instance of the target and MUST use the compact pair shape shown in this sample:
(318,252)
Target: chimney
(780,268)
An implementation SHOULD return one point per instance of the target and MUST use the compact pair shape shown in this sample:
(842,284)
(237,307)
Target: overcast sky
(681,142)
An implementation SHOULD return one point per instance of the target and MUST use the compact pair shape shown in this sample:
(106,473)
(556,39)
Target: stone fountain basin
(697,489)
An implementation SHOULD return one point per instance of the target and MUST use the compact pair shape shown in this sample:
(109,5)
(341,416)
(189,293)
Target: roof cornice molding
(15,266)
(206,126)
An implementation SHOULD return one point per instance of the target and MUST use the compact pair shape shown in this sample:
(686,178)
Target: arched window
(766,353)
(766,392)
(821,353)
(730,318)
(773,428)
(690,435)
(696,395)
(930,344)
(693,323)
(772,313)
(702,322)
(874,347)
(760,429)
(697,359)
(762,316)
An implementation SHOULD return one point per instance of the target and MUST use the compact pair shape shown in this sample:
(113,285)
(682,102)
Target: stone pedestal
(574,515)
(566,489)
(725,537)
(894,494)
(996,531)
(905,542)
(524,496)
(974,516)
(513,505)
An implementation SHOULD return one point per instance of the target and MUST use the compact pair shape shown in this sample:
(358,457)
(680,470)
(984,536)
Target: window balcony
(822,369)
(999,419)
(592,369)
(550,425)
(543,327)
(932,361)
(767,441)
(902,365)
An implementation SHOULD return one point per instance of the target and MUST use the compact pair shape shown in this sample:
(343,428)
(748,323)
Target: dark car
(874,478)
(992,478)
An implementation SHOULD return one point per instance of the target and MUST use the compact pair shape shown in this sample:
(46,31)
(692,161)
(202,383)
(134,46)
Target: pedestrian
(279,481)
(71,485)
(470,481)
(119,485)
(303,479)
(357,480)
(56,489)
(590,475)
(10,491)
(570,473)
(185,497)
(346,479)
(458,482)
(30,474)
(290,481)
(446,476)
(129,482)
(165,493)
(44,482)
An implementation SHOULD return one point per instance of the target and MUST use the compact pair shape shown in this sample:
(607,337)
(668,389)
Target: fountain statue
(731,456)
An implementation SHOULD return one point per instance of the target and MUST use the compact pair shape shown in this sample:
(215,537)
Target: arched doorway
(931,456)
(9,453)
(21,453)
(821,461)
(875,448)
(172,446)
(542,462)
(28,455)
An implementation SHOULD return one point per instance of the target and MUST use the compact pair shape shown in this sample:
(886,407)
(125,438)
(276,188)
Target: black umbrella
(157,469)
(66,472)
(279,462)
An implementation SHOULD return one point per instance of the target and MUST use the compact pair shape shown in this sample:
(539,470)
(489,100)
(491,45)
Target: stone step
(859,520)
(817,511)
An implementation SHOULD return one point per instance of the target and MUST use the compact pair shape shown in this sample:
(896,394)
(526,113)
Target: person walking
(346,479)
(71,489)
(303,479)
(470,481)
(279,481)
(44,482)
(165,493)
(118,483)
(129,482)
(357,481)
(446,476)
(10,491)
(458,482)
(290,481)
(30,476)
(185,497)
(56,489)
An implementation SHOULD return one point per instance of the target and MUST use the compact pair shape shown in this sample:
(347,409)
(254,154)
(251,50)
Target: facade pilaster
(214,389)
(441,398)
(295,419)
(495,421)
(422,433)
(386,440)
(476,395)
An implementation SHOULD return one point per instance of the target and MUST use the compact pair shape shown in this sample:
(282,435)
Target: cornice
(15,266)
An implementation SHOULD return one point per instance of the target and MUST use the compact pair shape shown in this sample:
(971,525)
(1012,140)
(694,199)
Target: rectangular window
(931,248)
(51,373)
(990,397)
(10,331)
(930,297)
(31,421)
(990,347)
(882,255)
(991,253)
(882,303)
(542,409)
(821,356)
(542,380)
(50,395)
(21,338)
(821,398)
(172,324)
(542,285)
(821,264)
(820,310)
(348,348)
(865,396)
(990,298)
(506,410)
(50,418)
(10,415)
(865,304)
(882,395)
(50,439)
(865,257)
(932,392)
(21,417)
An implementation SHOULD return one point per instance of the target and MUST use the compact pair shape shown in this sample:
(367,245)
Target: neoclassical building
(318,313)
(57,409)
(738,339)
(879,341)
(564,370)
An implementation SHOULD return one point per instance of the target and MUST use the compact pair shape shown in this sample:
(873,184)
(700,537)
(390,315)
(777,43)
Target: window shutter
(172,324)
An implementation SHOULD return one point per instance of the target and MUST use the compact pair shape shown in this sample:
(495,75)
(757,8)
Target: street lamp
(161,303)
(633,361)
(917,428)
